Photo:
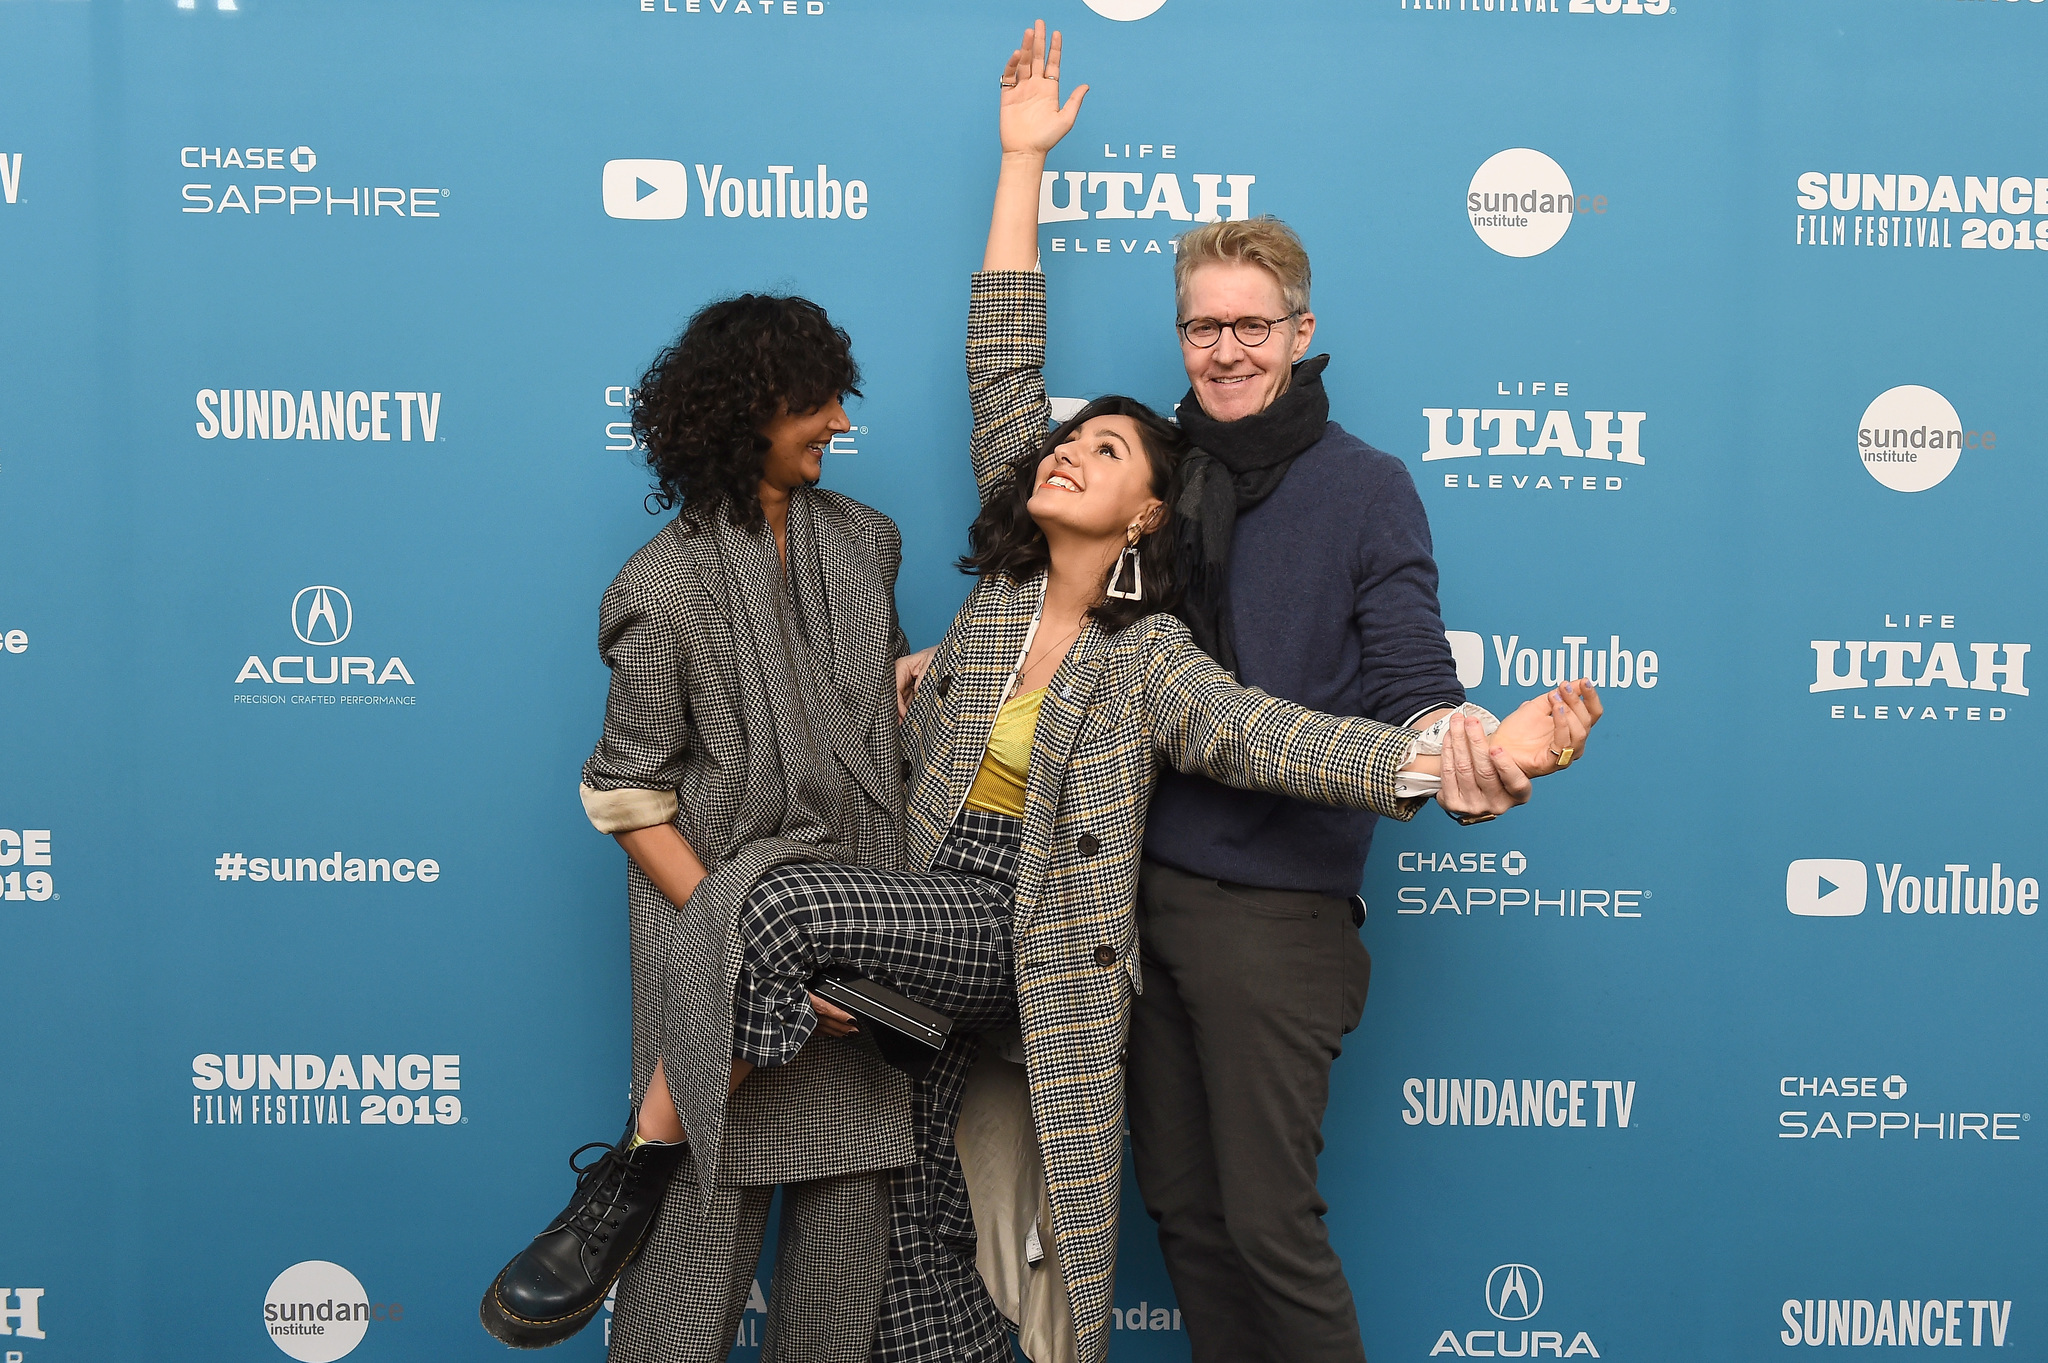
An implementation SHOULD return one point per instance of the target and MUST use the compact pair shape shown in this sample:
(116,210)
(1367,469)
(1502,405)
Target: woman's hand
(1477,782)
(832,1019)
(909,671)
(1033,119)
(1548,733)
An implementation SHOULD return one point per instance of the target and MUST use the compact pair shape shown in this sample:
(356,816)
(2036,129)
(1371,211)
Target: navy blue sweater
(1333,604)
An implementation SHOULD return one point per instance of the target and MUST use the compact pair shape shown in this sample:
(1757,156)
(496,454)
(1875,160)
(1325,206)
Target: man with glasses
(1312,578)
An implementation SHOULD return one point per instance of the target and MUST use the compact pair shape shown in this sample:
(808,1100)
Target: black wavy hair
(1004,538)
(702,403)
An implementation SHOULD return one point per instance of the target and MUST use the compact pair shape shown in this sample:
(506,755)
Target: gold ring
(1006,84)
(1563,756)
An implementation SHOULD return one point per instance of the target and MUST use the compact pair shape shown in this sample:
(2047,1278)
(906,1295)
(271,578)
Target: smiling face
(1096,483)
(1232,380)
(796,446)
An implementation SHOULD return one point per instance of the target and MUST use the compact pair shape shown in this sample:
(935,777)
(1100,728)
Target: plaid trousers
(943,939)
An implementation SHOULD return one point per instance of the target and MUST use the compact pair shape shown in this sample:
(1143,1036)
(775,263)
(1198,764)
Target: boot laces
(602,1185)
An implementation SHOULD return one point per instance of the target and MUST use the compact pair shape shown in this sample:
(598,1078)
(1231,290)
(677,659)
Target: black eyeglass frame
(1231,327)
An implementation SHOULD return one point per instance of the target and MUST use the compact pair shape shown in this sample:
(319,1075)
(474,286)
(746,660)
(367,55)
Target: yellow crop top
(999,784)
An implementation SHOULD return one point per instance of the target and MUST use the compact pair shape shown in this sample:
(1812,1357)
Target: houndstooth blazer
(1118,707)
(675,750)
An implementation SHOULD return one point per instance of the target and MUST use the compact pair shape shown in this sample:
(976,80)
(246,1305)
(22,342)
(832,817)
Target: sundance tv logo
(1910,438)
(1514,1294)
(316,414)
(1832,887)
(1531,1102)
(1521,202)
(1856,1322)
(323,617)
(268,189)
(657,191)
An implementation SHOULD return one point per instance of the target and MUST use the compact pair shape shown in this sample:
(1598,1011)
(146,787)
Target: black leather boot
(553,1287)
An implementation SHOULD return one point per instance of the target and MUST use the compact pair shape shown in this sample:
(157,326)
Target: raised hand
(1033,119)
(1548,732)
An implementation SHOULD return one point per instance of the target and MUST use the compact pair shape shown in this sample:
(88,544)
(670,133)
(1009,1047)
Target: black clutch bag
(908,1034)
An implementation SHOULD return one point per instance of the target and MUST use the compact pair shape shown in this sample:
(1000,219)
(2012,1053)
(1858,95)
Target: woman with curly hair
(751,724)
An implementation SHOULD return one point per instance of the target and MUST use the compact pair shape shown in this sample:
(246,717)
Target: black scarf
(1234,466)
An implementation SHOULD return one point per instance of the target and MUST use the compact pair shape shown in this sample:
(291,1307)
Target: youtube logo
(1826,887)
(649,190)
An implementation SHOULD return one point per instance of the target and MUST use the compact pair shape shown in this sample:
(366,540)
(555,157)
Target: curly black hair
(702,403)
(1004,538)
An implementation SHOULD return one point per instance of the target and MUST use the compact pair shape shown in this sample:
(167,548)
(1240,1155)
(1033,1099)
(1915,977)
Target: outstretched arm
(1033,121)
(1006,317)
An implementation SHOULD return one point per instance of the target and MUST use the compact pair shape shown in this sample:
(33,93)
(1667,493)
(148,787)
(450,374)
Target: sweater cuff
(622,811)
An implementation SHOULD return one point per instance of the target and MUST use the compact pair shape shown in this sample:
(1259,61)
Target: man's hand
(1476,781)
(909,670)
(1555,722)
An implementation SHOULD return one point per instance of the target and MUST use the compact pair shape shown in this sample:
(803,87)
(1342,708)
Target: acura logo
(321,616)
(1514,1292)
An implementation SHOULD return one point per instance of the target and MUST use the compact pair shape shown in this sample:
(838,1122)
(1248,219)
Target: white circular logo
(316,1311)
(322,616)
(1910,438)
(1895,1087)
(1125,11)
(1520,202)
(303,159)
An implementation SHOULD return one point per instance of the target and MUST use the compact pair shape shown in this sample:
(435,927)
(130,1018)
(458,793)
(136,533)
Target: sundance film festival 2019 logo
(260,184)
(1514,1295)
(1850,1107)
(1839,887)
(317,1311)
(27,866)
(311,1090)
(1137,188)
(656,191)
(1612,442)
(1857,1321)
(323,617)
(1521,203)
(362,414)
(1911,212)
(1897,667)
(1910,438)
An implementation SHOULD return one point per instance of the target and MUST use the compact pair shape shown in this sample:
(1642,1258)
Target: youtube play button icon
(1826,887)
(648,190)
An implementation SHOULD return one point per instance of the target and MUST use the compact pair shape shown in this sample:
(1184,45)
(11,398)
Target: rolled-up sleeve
(630,780)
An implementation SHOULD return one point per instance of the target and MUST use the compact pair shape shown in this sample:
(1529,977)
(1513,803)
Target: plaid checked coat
(676,748)
(1118,707)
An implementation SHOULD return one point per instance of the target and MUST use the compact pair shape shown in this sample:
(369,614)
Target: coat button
(945,685)
(1105,955)
(1088,846)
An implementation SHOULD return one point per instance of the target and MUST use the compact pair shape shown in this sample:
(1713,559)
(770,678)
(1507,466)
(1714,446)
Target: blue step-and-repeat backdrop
(1709,329)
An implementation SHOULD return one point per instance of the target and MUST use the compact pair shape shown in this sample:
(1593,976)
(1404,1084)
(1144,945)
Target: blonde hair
(1263,241)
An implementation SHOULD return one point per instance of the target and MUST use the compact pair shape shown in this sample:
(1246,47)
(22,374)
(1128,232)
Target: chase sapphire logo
(321,616)
(1514,1292)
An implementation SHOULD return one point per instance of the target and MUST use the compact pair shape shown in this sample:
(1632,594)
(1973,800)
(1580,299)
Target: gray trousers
(1248,995)
(682,1298)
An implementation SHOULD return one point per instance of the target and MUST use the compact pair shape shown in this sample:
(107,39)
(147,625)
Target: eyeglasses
(1204,332)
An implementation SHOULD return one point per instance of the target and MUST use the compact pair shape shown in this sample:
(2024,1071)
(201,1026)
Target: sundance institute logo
(316,1311)
(1910,438)
(1521,202)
